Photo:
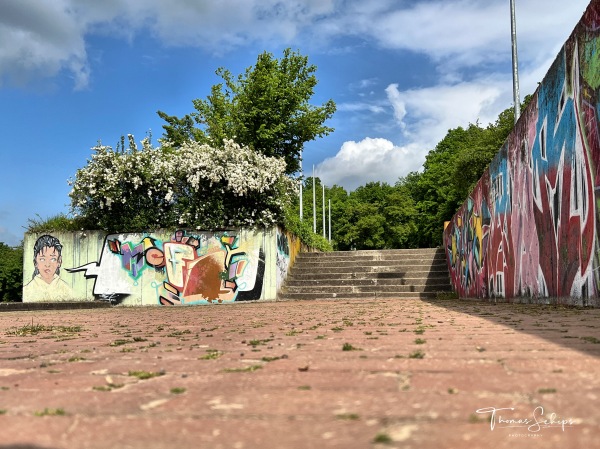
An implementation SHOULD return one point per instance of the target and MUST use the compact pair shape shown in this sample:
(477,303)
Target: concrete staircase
(399,273)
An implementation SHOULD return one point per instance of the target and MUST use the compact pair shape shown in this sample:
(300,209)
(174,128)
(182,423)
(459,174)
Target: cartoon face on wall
(46,284)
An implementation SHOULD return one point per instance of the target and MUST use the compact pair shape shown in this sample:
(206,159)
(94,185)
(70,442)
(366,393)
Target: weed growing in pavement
(248,369)
(348,416)
(211,354)
(475,419)
(143,375)
(120,342)
(51,412)
(382,438)
(591,339)
(34,329)
(416,355)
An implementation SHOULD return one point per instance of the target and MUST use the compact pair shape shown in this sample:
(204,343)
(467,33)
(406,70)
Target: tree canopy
(11,273)
(266,108)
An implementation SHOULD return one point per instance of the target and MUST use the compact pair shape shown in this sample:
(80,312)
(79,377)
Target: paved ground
(323,374)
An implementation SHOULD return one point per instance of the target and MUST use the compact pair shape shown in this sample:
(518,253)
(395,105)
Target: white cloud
(371,159)
(40,38)
(43,38)
(424,117)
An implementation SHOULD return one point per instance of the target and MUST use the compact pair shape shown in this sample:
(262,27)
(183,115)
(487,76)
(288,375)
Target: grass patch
(35,329)
(475,419)
(178,390)
(547,390)
(420,341)
(255,343)
(591,340)
(76,359)
(349,347)
(348,416)
(382,438)
(51,412)
(120,342)
(211,354)
(143,375)
(248,369)
(416,355)
(270,359)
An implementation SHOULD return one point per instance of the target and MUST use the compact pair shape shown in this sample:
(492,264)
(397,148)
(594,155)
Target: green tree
(266,108)
(11,273)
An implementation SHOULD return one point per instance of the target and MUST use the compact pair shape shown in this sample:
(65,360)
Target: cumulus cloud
(43,38)
(424,116)
(40,39)
(371,159)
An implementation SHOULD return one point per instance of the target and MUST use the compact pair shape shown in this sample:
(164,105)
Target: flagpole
(515,62)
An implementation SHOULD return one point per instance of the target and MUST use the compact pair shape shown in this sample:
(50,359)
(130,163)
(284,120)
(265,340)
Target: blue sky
(402,72)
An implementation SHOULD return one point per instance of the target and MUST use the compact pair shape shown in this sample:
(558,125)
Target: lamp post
(323,185)
(515,62)
(314,204)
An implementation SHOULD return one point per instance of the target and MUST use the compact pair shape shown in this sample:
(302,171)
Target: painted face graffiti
(48,263)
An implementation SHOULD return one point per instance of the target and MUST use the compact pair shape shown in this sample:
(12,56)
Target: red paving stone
(275,375)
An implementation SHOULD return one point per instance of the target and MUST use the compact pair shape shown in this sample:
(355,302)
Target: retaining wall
(529,229)
(161,267)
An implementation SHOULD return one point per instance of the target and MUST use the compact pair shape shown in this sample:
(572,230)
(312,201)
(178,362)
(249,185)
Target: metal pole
(301,214)
(324,228)
(314,204)
(515,62)
(329,219)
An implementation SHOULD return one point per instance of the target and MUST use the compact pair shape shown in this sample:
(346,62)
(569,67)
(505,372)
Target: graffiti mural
(529,228)
(283,257)
(187,269)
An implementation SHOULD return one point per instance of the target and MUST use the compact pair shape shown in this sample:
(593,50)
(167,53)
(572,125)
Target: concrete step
(341,289)
(376,295)
(325,282)
(302,274)
(420,273)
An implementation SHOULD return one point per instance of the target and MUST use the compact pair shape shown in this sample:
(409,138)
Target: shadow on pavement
(576,328)
(23,446)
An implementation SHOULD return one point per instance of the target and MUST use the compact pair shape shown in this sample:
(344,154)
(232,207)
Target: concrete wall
(157,268)
(529,229)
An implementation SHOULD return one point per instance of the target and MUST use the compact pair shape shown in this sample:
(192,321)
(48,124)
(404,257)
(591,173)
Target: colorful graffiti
(529,228)
(187,269)
(283,257)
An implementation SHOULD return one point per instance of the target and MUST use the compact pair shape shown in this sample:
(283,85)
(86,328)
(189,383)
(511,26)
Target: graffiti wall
(155,268)
(529,228)
(288,247)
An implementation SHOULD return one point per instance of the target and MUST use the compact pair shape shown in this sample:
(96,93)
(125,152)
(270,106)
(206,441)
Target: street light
(515,62)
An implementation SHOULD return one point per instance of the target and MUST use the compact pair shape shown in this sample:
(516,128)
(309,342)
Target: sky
(401,72)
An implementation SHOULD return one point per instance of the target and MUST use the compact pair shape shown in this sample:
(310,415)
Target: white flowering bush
(194,186)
